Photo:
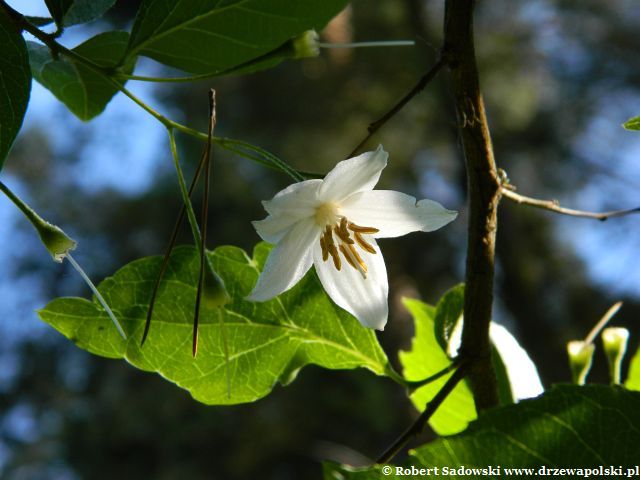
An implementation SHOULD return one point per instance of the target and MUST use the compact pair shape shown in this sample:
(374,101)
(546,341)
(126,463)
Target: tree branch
(554,206)
(422,83)
(483,186)
(418,426)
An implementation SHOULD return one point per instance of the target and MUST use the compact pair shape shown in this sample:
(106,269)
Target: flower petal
(356,174)
(274,227)
(299,199)
(288,262)
(395,213)
(365,298)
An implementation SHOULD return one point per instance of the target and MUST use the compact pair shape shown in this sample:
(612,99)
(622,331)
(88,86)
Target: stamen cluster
(346,245)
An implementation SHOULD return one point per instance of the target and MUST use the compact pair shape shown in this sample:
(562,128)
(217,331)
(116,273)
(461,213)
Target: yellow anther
(328,237)
(347,257)
(363,243)
(357,257)
(346,244)
(357,228)
(336,256)
(323,246)
(343,235)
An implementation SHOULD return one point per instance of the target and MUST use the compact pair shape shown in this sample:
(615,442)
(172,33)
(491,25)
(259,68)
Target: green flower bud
(306,45)
(614,340)
(59,244)
(54,239)
(580,359)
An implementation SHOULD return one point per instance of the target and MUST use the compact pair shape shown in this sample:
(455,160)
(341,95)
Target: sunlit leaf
(568,427)
(268,342)
(426,358)
(205,37)
(83,90)
(517,376)
(15,83)
(71,12)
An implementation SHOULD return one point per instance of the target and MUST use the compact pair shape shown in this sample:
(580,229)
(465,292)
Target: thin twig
(415,384)
(422,83)
(418,426)
(169,249)
(554,206)
(204,217)
(602,322)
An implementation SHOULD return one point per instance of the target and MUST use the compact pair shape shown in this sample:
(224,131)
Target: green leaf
(517,376)
(268,342)
(426,358)
(83,90)
(206,37)
(633,377)
(15,83)
(448,313)
(72,12)
(632,124)
(568,427)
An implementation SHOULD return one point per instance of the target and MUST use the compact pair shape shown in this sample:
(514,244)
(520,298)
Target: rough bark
(483,187)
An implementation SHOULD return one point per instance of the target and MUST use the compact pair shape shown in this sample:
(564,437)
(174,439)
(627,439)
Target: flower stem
(385,43)
(52,237)
(186,194)
(98,295)
(28,212)
(203,76)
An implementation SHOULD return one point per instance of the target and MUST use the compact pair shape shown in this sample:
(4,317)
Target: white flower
(333,224)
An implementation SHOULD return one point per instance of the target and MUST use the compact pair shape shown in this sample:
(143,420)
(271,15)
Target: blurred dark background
(559,78)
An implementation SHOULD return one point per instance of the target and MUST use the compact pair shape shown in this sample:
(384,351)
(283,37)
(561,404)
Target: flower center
(341,237)
(327,214)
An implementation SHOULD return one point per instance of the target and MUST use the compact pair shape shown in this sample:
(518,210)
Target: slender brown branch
(422,83)
(554,206)
(483,187)
(204,217)
(167,254)
(418,426)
